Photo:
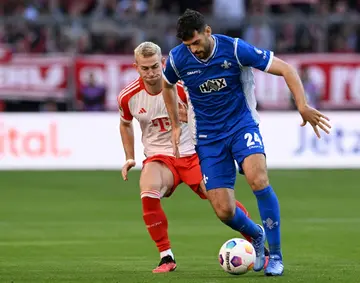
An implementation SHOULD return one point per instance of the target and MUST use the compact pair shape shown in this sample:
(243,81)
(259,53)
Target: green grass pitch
(86,226)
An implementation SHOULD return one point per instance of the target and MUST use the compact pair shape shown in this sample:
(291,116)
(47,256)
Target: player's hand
(316,119)
(182,113)
(175,140)
(130,163)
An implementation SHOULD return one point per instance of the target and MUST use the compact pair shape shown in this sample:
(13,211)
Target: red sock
(239,205)
(155,219)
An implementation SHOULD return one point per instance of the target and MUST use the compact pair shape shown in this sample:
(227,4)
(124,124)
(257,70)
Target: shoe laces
(257,242)
(273,261)
(166,259)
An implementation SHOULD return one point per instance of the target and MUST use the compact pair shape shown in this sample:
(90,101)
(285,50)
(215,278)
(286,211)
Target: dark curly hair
(188,23)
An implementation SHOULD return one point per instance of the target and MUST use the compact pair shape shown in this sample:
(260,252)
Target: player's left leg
(248,151)
(254,167)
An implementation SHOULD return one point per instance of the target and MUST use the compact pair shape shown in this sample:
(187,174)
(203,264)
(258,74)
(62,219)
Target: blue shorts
(217,159)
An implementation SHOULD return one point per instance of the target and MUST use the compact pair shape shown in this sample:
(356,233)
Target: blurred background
(65,213)
(69,47)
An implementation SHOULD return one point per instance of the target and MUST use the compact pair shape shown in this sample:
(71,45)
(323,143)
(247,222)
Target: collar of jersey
(212,53)
(142,85)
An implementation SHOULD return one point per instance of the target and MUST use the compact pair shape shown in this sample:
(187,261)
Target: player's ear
(136,67)
(208,30)
(163,61)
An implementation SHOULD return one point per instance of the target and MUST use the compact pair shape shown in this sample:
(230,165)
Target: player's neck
(153,89)
(212,45)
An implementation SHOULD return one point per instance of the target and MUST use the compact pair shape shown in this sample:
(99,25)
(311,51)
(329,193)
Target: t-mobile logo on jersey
(213,85)
(162,123)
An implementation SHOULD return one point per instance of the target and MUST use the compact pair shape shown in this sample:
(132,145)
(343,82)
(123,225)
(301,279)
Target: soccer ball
(237,256)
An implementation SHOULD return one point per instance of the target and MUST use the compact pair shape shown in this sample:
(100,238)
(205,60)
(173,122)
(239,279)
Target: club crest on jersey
(226,65)
(260,52)
(213,85)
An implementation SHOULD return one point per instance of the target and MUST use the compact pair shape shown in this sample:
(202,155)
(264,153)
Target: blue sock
(270,215)
(240,222)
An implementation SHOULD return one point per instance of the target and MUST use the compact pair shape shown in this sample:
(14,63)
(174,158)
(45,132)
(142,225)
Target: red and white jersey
(150,110)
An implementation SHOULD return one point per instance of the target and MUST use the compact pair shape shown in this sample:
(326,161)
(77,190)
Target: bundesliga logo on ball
(237,256)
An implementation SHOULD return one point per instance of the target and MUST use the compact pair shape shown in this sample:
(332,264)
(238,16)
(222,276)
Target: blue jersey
(221,89)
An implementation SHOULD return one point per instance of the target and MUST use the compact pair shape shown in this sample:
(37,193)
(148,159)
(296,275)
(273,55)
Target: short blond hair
(147,49)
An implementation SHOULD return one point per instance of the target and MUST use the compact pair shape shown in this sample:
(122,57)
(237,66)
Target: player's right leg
(190,173)
(156,180)
(219,173)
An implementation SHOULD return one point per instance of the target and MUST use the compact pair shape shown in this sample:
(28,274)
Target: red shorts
(185,169)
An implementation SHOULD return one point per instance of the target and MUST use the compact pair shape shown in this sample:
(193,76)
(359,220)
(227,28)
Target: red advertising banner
(112,72)
(35,77)
(336,77)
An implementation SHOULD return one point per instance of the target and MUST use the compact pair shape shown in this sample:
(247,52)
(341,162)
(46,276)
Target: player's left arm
(279,67)
(316,119)
(264,60)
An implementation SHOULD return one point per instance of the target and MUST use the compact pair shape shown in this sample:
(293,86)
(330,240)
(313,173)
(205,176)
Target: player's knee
(224,212)
(259,181)
(147,186)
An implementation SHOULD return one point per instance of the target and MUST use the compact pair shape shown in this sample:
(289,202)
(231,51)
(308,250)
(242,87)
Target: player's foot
(275,266)
(167,264)
(259,246)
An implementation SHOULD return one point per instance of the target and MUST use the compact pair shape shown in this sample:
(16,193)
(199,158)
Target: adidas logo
(142,111)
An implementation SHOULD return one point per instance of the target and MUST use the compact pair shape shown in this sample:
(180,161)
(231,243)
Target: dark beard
(207,51)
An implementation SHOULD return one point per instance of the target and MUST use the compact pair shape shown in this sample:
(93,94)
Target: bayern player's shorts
(185,169)
(217,158)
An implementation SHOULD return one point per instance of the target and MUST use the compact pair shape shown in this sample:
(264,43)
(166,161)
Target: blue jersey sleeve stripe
(172,63)
(235,51)
(166,79)
(271,57)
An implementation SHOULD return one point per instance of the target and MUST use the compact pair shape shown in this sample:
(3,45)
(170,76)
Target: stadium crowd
(115,27)
(59,25)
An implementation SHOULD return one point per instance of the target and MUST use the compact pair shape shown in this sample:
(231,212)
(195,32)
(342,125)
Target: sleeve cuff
(165,78)
(125,120)
(270,61)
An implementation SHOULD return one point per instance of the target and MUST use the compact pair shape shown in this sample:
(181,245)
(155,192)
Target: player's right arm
(170,78)
(127,137)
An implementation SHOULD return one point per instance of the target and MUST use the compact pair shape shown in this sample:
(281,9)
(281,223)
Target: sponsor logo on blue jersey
(213,85)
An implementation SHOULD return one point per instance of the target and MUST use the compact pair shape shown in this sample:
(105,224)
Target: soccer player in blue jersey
(217,71)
